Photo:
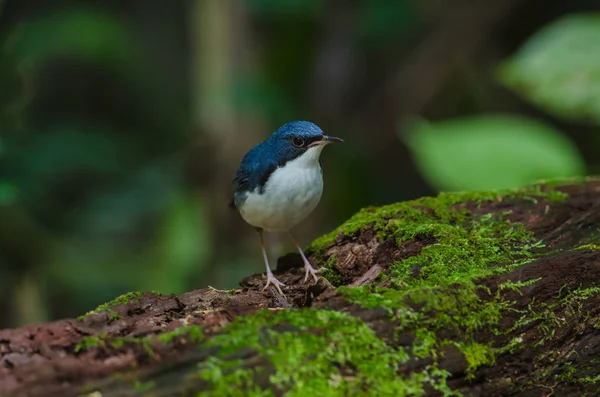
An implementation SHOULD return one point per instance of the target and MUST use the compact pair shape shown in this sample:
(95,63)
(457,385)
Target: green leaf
(559,68)
(491,152)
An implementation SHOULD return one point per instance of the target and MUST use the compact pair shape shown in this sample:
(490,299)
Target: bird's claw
(310,270)
(272,280)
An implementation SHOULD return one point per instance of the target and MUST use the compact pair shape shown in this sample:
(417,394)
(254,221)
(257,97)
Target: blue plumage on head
(299,128)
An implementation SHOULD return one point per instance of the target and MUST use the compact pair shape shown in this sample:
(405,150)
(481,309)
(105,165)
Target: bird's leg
(307,267)
(270,277)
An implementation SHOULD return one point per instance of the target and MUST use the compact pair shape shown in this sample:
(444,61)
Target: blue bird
(280,182)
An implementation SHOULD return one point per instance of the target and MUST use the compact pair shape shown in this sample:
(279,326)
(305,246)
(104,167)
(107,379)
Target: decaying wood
(46,359)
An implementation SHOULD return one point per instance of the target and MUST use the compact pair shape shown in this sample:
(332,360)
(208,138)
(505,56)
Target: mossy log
(473,294)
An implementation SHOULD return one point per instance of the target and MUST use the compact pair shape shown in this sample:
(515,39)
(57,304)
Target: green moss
(330,274)
(113,316)
(90,342)
(556,366)
(130,297)
(226,379)
(314,352)
(568,302)
(442,298)
(194,333)
(333,353)
(476,354)
(565,370)
(568,180)
(412,218)
(590,379)
(593,247)
(143,386)
(518,285)
(145,343)
(457,312)
(443,295)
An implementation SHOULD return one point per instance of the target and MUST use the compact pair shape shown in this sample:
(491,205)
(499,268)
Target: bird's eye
(298,142)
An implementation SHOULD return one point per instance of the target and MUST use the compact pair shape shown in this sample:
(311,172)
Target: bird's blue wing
(254,171)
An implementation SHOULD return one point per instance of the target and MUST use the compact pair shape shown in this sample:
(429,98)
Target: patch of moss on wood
(593,247)
(465,249)
(313,352)
(405,220)
(130,297)
(184,334)
(193,333)
(557,366)
(90,342)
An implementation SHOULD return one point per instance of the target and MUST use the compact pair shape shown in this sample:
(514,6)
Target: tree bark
(530,328)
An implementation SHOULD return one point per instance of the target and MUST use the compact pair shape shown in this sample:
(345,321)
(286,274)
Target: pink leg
(270,277)
(307,267)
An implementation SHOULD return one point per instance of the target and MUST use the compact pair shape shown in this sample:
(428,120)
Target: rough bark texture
(546,340)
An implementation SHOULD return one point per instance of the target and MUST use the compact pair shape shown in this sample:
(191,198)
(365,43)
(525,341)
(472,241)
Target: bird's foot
(310,270)
(272,280)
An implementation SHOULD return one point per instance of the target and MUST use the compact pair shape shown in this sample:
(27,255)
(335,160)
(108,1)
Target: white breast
(290,195)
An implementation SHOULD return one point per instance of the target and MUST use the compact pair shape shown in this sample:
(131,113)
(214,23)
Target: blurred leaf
(559,68)
(86,33)
(491,152)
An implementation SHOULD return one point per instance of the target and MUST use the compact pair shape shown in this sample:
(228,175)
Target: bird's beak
(330,139)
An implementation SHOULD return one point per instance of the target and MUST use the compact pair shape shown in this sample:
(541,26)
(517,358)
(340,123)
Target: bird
(279,183)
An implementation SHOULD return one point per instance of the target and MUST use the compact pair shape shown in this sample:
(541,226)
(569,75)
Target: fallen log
(474,294)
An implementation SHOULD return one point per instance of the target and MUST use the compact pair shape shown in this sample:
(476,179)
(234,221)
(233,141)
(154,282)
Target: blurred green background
(122,124)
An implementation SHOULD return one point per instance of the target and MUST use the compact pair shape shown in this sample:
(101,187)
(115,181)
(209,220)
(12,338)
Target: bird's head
(300,138)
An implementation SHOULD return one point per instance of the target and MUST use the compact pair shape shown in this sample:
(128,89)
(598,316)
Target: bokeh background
(122,124)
